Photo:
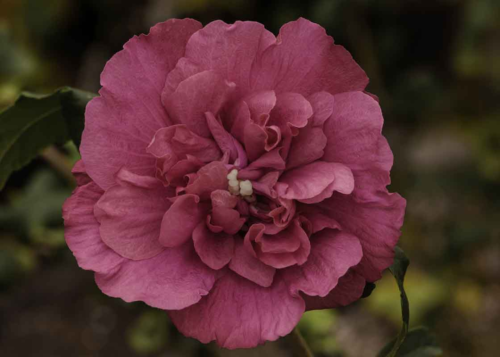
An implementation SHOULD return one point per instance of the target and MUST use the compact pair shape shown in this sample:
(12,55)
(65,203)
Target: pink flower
(234,178)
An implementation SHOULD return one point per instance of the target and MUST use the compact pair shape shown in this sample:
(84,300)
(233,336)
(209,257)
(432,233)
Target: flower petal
(174,279)
(312,180)
(305,60)
(214,249)
(180,220)
(179,141)
(210,178)
(354,133)
(227,218)
(249,267)
(121,122)
(81,230)
(332,254)
(130,215)
(228,49)
(263,314)
(376,221)
(349,289)
(306,147)
(203,92)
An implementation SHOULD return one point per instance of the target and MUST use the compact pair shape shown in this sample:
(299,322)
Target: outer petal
(180,220)
(130,215)
(332,254)
(349,289)
(204,92)
(229,50)
(174,279)
(82,231)
(214,249)
(354,133)
(240,314)
(122,121)
(376,221)
(305,60)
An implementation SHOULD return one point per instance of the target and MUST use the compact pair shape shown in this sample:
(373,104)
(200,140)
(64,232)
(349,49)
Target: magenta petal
(121,122)
(230,50)
(255,138)
(214,249)
(174,279)
(240,314)
(82,231)
(319,220)
(226,141)
(180,220)
(349,289)
(306,147)
(332,254)
(130,215)
(249,267)
(260,105)
(210,178)
(179,141)
(198,94)
(322,104)
(312,180)
(305,60)
(222,198)
(80,174)
(283,260)
(376,220)
(354,133)
(227,218)
(291,110)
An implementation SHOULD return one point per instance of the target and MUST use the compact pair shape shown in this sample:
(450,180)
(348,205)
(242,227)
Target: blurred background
(435,66)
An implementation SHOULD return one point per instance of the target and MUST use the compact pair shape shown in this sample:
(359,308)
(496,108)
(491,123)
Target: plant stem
(60,163)
(296,345)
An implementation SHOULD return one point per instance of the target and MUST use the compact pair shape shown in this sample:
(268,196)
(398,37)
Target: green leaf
(37,121)
(398,269)
(419,342)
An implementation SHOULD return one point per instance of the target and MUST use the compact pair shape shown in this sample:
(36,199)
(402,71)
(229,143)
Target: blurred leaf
(398,269)
(149,333)
(35,122)
(418,343)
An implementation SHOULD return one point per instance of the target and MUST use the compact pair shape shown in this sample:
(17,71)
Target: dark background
(435,66)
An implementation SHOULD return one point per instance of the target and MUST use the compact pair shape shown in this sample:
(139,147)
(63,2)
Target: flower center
(239,188)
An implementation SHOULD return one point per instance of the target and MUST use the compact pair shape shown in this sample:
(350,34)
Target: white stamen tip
(246,188)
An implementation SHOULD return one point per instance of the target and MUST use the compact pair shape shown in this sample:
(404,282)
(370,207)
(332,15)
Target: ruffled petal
(130,215)
(332,254)
(240,314)
(306,147)
(121,122)
(203,92)
(81,231)
(312,180)
(376,221)
(354,133)
(214,249)
(230,50)
(178,141)
(180,220)
(210,178)
(305,60)
(348,290)
(248,266)
(174,279)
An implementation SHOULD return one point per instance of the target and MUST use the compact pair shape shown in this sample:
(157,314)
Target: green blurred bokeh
(435,66)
